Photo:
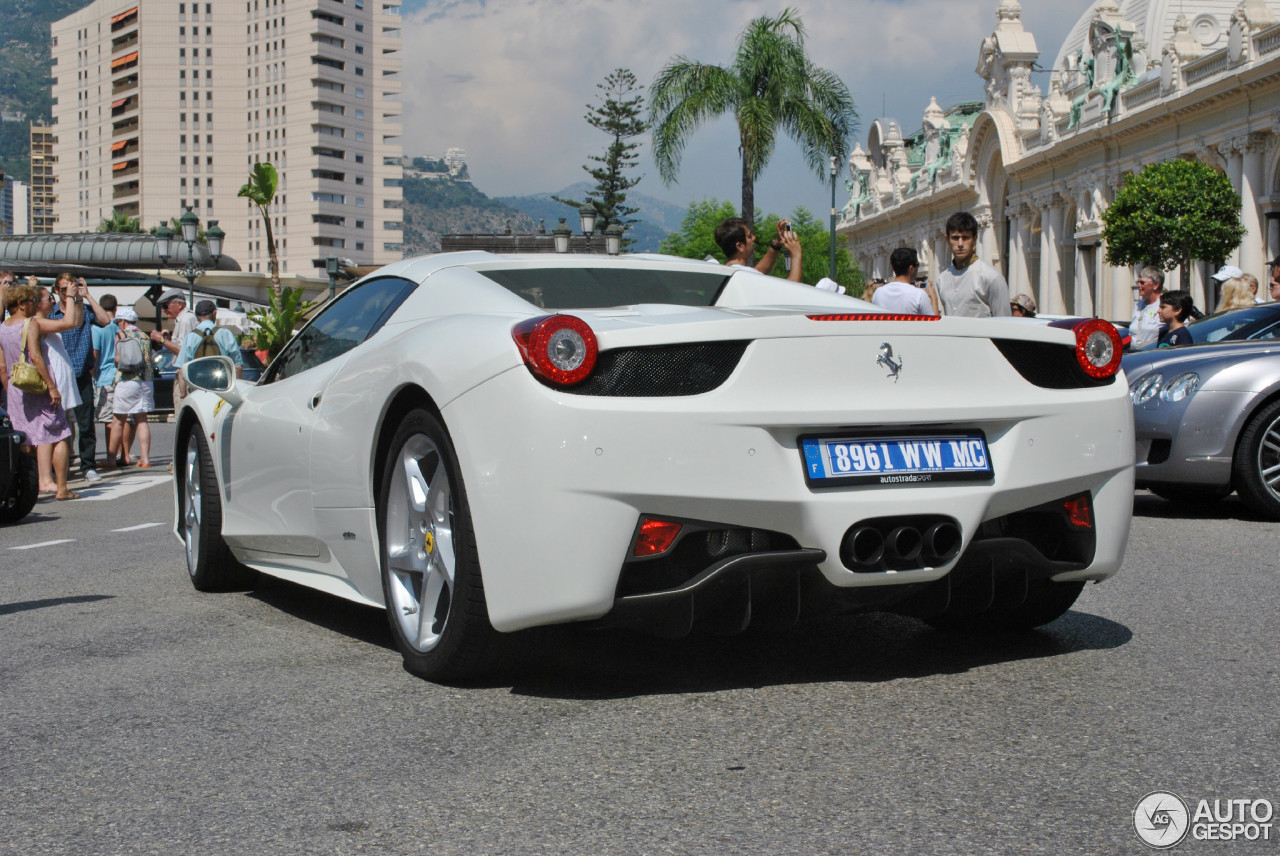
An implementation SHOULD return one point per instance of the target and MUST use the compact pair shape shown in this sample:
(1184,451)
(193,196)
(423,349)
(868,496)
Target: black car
(1236,325)
(163,372)
(19,478)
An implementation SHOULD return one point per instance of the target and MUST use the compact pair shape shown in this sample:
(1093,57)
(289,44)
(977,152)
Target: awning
(116,167)
(115,147)
(127,58)
(115,104)
(125,14)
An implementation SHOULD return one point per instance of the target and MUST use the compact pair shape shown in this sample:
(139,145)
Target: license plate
(896,460)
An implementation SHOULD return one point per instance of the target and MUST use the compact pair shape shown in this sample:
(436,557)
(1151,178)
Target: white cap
(828,284)
(1227,272)
(124,313)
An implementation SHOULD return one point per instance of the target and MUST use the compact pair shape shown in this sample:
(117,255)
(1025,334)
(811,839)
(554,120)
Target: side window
(1272,332)
(353,317)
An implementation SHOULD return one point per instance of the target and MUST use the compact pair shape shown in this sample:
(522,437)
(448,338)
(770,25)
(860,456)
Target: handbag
(23,374)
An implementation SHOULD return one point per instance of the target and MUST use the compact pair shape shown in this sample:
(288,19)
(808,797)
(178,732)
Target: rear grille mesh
(1047,365)
(663,370)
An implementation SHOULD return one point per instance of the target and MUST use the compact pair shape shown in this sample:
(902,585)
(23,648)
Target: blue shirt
(104,342)
(227,343)
(78,342)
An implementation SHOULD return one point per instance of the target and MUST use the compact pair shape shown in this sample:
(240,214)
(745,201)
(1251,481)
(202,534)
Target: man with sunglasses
(1144,328)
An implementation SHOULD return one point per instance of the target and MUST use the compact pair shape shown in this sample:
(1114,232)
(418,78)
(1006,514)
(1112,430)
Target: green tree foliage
(285,312)
(696,240)
(261,190)
(1170,213)
(120,223)
(772,86)
(619,117)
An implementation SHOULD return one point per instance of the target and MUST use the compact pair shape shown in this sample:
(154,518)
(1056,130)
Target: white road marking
(116,488)
(136,528)
(43,544)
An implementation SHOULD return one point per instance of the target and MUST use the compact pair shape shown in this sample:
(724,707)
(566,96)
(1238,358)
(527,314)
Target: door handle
(315,401)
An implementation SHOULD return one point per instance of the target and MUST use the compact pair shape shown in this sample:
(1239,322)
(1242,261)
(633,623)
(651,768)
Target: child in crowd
(1175,307)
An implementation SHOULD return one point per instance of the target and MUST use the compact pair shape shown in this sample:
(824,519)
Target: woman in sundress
(38,415)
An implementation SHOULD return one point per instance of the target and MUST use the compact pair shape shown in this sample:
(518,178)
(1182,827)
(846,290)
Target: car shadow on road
(1228,508)
(567,662)
(579,662)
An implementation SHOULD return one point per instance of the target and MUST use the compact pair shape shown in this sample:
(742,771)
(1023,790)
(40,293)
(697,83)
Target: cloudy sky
(509,80)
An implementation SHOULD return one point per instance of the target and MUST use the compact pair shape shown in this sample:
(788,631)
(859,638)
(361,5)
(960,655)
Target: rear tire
(1257,462)
(430,567)
(1046,601)
(26,490)
(210,563)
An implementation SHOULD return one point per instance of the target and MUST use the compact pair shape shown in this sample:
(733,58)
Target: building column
(1232,152)
(1052,299)
(1253,257)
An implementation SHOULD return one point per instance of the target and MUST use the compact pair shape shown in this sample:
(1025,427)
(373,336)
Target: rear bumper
(557,483)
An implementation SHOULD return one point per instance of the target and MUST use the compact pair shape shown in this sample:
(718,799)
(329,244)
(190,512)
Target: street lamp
(587,214)
(562,234)
(331,268)
(835,170)
(613,239)
(191,270)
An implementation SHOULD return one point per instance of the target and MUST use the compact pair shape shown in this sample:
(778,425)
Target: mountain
(653,221)
(437,206)
(25,86)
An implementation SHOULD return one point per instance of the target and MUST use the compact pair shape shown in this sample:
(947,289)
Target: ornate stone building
(1135,82)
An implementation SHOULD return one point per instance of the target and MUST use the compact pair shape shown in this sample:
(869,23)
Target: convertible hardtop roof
(423,266)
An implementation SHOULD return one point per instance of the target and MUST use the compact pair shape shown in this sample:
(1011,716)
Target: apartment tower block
(162,105)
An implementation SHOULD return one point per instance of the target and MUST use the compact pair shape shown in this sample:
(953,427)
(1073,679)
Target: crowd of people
(970,287)
(89,364)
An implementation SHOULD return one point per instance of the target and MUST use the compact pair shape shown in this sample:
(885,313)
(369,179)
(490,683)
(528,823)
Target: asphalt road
(139,716)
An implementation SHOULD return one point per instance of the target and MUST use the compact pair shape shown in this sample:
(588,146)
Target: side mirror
(216,375)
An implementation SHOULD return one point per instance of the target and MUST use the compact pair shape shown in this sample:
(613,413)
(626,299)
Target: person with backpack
(134,396)
(209,340)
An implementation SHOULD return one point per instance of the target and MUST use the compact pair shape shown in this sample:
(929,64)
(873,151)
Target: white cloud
(508,80)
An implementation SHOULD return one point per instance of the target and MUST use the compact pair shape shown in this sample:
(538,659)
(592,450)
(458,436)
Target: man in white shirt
(901,294)
(1144,328)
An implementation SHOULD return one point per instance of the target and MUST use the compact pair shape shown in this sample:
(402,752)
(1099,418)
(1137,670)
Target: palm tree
(120,222)
(771,85)
(261,190)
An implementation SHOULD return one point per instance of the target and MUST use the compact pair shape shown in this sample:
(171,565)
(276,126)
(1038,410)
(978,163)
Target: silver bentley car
(1207,422)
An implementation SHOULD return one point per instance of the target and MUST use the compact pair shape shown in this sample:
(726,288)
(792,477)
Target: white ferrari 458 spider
(481,443)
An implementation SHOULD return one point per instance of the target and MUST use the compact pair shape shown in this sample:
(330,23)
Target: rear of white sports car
(678,468)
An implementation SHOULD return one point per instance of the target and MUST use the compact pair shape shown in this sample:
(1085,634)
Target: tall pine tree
(619,117)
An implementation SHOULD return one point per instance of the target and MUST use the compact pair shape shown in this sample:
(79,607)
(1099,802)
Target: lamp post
(587,214)
(331,268)
(191,270)
(613,239)
(835,170)
(562,235)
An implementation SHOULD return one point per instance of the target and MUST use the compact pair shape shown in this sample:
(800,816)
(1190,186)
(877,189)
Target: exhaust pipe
(941,543)
(902,545)
(862,548)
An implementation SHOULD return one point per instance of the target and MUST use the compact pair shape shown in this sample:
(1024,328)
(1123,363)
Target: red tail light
(1079,511)
(560,349)
(1098,347)
(655,537)
(871,316)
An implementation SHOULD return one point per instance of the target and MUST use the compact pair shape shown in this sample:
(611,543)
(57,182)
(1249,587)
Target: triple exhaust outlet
(900,543)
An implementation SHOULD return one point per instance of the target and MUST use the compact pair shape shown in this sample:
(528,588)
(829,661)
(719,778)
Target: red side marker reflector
(1079,512)
(656,537)
(872,316)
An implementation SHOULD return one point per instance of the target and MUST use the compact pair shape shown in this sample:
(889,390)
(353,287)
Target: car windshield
(1234,324)
(598,288)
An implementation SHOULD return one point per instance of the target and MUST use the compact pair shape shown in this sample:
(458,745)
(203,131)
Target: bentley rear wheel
(24,492)
(430,568)
(1257,462)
